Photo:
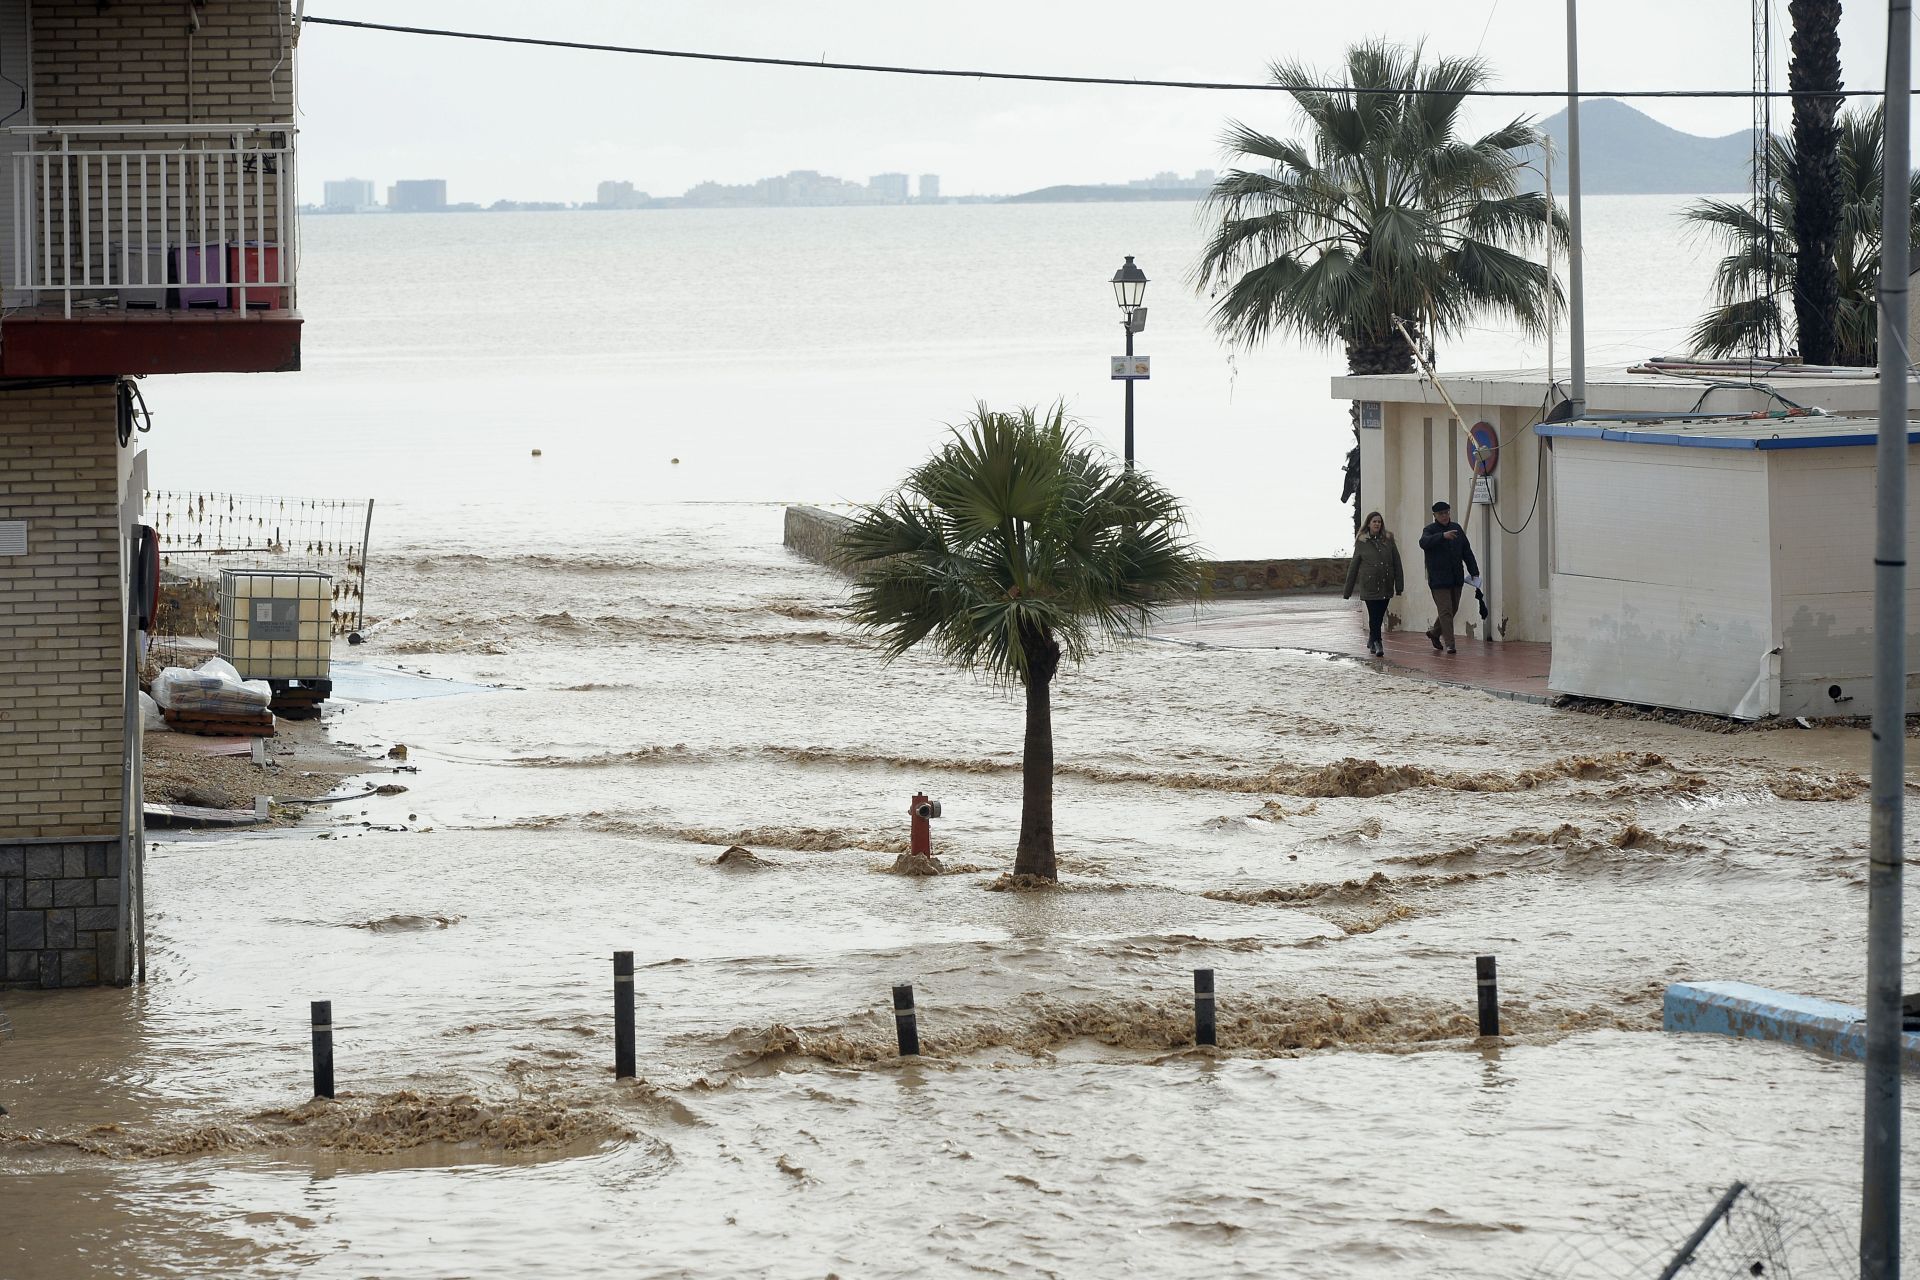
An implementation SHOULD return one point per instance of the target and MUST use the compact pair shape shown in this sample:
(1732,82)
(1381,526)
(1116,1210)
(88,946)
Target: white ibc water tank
(277,624)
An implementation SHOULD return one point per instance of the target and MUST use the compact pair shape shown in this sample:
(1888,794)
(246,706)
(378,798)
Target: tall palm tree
(1755,283)
(1813,73)
(1384,210)
(1016,545)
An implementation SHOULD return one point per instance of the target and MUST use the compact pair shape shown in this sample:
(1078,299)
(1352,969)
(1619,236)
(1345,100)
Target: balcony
(150,249)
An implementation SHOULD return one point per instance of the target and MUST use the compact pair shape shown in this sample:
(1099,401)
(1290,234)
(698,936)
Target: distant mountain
(1627,152)
(1106,194)
(1622,152)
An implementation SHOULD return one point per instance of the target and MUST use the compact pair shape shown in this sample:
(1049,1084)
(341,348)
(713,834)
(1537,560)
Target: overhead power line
(1046,78)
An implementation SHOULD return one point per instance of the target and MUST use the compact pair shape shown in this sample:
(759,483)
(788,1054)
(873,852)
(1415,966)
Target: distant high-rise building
(417,195)
(1203,177)
(891,187)
(348,193)
(620,195)
(929,186)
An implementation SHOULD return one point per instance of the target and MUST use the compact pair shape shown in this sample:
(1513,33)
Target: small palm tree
(1754,286)
(1014,546)
(1384,210)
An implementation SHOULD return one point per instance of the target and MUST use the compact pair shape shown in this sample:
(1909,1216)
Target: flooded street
(1337,843)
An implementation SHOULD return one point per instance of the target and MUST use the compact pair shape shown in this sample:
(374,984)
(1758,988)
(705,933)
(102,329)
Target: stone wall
(59,913)
(814,534)
(1278,577)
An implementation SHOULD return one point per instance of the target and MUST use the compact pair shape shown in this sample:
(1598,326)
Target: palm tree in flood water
(1015,546)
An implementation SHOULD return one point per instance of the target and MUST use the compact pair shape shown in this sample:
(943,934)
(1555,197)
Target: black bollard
(905,1023)
(623,1015)
(1203,1031)
(1489,996)
(323,1048)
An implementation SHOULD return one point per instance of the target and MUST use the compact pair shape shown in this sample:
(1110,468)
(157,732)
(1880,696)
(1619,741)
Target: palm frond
(1017,529)
(1328,236)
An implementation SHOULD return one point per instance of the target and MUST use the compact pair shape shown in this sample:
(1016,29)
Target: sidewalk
(1328,624)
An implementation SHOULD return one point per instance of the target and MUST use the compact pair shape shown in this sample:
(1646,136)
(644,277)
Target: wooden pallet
(213,726)
(298,703)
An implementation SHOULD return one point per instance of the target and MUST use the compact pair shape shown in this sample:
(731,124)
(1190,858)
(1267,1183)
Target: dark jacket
(1375,568)
(1445,555)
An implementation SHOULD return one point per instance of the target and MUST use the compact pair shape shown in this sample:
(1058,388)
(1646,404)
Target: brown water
(1336,843)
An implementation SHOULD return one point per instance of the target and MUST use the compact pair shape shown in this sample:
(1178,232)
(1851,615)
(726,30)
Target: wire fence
(204,533)
(1726,1233)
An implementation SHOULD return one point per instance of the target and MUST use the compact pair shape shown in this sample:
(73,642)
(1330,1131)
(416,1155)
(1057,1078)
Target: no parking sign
(1483,448)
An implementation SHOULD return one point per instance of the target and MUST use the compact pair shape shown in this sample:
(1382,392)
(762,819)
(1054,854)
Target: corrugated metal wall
(1664,587)
(1823,578)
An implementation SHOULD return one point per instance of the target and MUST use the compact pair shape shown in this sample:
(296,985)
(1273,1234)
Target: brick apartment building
(147,197)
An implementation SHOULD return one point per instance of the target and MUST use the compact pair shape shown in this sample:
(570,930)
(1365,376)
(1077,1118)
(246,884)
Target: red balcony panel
(45,343)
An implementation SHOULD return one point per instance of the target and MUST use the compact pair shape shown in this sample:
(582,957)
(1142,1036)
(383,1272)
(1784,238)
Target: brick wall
(137,60)
(60,616)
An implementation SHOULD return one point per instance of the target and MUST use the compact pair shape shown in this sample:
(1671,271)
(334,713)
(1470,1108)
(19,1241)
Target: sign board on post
(1483,491)
(1130,368)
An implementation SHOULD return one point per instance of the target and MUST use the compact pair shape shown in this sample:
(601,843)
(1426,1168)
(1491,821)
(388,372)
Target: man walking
(1447,552)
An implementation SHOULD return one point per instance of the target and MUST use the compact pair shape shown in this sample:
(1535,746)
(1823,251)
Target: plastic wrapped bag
(213,687)
(150,721)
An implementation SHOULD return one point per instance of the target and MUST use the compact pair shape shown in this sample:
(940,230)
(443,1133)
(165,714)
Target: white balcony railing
(154,217)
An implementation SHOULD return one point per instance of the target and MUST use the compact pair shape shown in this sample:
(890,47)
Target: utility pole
(1576,294)
(1880,1165)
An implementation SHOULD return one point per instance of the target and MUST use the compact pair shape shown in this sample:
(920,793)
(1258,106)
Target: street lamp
(1130,290)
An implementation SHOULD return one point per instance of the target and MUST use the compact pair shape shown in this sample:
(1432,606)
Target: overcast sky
(525,123)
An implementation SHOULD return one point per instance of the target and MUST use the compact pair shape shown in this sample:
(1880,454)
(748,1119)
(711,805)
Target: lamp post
(1130,290)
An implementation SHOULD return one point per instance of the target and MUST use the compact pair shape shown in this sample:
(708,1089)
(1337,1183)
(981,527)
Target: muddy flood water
(1338,844)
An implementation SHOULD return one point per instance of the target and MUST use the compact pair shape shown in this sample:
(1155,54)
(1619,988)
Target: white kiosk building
(1699,541)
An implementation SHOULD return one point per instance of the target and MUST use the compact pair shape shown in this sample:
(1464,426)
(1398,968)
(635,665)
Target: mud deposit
(697,761)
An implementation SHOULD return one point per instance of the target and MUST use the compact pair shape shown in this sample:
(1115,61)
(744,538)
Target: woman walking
(1375,571)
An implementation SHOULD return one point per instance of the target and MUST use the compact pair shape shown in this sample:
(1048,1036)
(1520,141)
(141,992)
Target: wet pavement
(1327,624)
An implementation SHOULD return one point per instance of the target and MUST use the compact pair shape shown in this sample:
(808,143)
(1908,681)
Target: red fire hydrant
(923,811)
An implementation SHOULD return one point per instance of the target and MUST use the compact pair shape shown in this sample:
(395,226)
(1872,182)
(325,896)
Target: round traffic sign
(1483,448)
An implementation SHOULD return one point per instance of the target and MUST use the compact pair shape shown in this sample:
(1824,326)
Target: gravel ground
(302,763)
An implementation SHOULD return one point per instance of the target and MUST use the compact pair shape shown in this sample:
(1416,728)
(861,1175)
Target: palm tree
(1815,69)
(1384,210)
(1757,278)
(1016,545)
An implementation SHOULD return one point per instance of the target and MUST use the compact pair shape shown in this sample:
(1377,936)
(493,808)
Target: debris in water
(398,752)
(742,858)
(380,1124)
(389,789)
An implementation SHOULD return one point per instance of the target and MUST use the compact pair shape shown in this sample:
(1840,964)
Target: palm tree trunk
(1371,354)
(1815,67)
(1035,854)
